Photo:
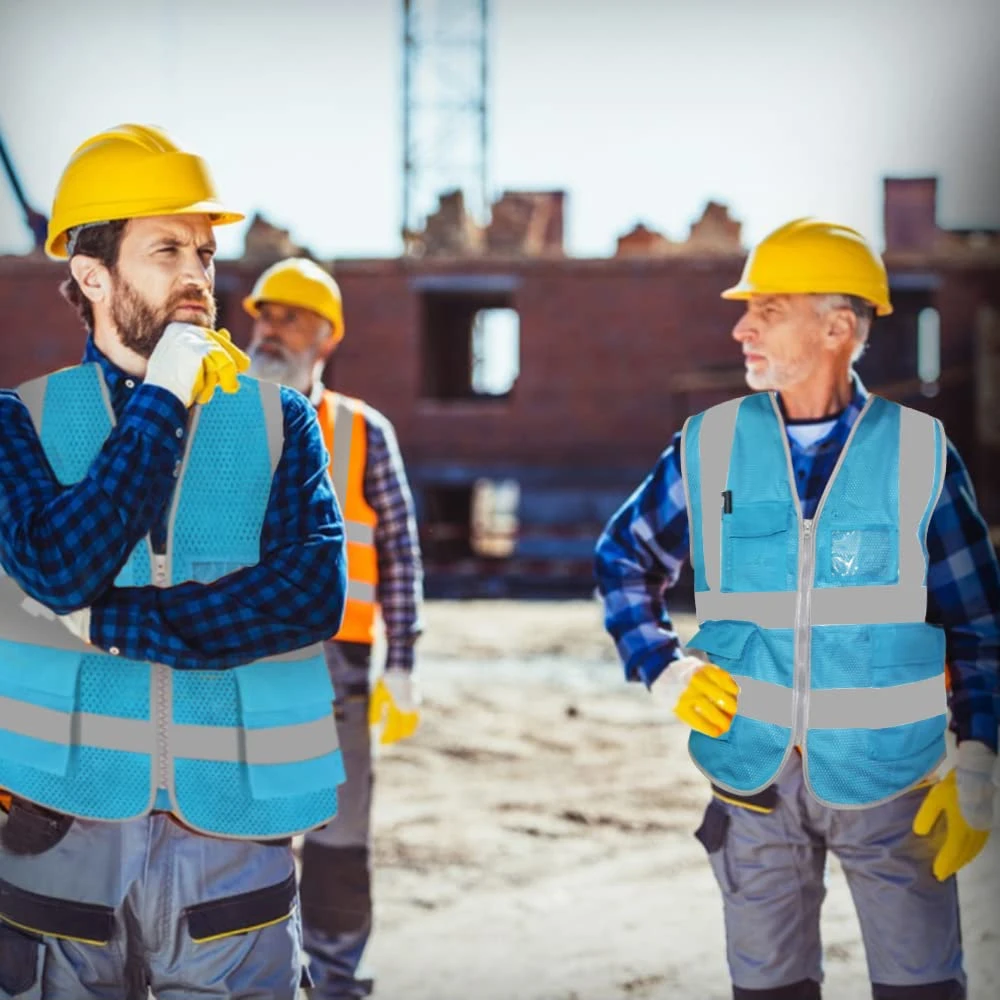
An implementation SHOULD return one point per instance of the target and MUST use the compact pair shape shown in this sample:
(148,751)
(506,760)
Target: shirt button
(129,383)
(114,650)
(179,432)
(177,469)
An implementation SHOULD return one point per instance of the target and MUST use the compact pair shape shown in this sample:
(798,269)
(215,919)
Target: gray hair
(862,309)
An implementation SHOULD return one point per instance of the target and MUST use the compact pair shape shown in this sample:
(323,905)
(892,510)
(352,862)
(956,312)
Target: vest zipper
(802,667)
(803,630)
(160,688)
(163,568)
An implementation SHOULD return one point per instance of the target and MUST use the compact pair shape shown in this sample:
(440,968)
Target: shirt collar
(114,377)
(847,417)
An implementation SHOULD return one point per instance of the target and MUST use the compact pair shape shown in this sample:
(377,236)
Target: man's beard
(140,325)
(778,376)
(283,368)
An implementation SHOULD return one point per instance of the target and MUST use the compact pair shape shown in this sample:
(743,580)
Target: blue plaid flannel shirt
(64,545)
(397,546)
(641,551)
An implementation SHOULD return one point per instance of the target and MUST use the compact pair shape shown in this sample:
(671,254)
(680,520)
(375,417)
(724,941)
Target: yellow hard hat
(812,257)
(130,172)
(299,282)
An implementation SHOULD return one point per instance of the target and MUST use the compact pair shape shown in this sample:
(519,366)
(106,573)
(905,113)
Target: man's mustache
(272,348)
(192,297)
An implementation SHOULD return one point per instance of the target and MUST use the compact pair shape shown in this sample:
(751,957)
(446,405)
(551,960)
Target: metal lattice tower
(445,109)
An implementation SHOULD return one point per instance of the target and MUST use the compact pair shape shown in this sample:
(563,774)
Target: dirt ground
(535,839)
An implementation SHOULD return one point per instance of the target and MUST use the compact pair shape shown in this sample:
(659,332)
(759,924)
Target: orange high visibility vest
(342,422)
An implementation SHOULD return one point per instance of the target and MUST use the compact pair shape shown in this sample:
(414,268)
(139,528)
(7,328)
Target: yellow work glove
(222,338)
(964,799)
(190,361)
(219,367)
(708,703)
(393,707)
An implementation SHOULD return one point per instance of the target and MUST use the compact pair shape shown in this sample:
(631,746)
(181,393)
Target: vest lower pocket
(884,762)
(286,709)
(921,744)
(37,699)
(724,643)
(757,548)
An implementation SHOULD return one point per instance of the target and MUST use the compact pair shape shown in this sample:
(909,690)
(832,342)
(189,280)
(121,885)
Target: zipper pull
(807,527)
(160,570)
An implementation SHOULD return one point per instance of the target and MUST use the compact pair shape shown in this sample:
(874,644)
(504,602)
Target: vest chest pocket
(858,556)
(757,547)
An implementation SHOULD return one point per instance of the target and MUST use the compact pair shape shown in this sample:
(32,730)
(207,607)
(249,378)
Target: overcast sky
(640,109)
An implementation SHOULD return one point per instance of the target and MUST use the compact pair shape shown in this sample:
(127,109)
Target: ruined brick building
(514,480)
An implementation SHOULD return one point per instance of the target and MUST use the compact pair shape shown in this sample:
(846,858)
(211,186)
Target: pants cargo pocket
(32,829)
(22,957)
(713,834)
(249,911)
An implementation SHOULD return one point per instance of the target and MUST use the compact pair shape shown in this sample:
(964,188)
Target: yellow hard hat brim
(56,247)
(251,306)
(743,292)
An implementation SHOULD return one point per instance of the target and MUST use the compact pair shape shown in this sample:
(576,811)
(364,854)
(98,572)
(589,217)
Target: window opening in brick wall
(495,351)
(470,345)
(446,520)
(929,350)
(494,517)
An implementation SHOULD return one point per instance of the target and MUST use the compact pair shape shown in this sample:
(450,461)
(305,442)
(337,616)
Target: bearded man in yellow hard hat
(298,316)
(838,558)
(173,555)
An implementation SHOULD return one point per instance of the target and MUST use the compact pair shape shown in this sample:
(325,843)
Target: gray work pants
(179,914)
(335,882)
(770,867)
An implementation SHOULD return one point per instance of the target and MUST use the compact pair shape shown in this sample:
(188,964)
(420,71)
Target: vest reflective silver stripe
(274,420)
(275,745)
(829,605)
(355,531)
(360,591)
(905,601)
(343,435)
(715,444)
(26,620)
(33,396)
(844,708)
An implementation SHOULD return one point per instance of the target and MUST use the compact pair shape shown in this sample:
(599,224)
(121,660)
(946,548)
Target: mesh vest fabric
(809,663)
(213,528)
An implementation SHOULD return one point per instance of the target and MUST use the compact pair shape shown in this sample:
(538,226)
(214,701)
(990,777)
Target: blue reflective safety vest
(249,752)
(822,622)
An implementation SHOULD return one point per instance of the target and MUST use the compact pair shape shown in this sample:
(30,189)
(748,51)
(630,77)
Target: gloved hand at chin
(963,800)
(191,361)
(394,706)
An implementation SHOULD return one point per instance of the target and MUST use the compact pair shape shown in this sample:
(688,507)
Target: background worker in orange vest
(298,323)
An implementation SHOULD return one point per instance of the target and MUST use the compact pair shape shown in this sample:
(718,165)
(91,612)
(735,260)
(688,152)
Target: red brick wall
(601,341)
